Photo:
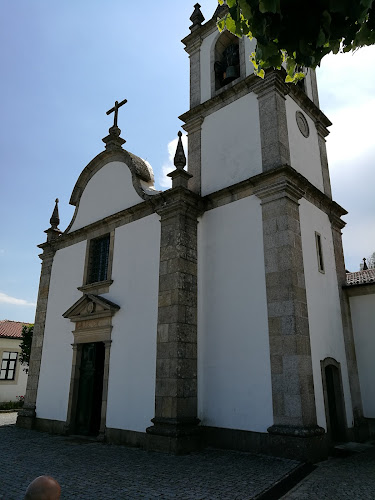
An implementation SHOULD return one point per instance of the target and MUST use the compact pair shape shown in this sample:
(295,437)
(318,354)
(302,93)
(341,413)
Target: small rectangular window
(98,259)
(319,252)
(8,365)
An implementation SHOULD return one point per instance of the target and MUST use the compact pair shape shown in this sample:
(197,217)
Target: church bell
(230,73)
(230,64)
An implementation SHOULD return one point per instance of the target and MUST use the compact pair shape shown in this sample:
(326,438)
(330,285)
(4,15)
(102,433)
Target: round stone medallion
(90,307)
(302,124)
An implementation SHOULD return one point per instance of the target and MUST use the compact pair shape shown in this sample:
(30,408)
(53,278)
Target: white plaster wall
(109,191)
(10,389)
(231,149)
(308,85)
(234,374)
(205,65)
(304,151)
(56,366)
(323,304)
(131,387)
(249,48)
(363,319)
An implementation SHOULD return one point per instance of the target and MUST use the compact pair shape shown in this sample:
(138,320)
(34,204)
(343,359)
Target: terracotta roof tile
(11,329)
(361,277)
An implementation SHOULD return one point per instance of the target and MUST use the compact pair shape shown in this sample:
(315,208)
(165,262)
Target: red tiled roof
(361,277)
(11,329)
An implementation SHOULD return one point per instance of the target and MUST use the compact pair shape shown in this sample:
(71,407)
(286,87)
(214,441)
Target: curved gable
(112,182)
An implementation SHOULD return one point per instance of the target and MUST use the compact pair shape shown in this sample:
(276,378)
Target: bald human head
(43,488)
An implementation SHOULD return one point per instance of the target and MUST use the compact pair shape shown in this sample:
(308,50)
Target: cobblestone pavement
(95,471)
(338,479)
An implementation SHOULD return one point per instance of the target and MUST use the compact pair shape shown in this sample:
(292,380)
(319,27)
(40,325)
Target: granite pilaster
(26,416)
(175,425)
(273,120)
(337,225)
(291,364)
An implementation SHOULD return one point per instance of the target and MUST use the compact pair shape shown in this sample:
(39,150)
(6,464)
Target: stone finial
(113,140)
(196,18)
(180,158)
(179,176)
(365,267)
(53,231)
(55,219)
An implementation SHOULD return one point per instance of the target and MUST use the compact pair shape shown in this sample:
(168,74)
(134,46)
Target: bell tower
(240,125)
(257,155)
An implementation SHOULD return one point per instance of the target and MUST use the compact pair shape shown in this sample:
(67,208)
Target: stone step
(351,447)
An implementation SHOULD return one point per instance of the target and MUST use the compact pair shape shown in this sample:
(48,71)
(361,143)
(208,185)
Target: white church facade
(215,312)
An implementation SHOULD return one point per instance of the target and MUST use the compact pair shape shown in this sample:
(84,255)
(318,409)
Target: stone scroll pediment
(91,307)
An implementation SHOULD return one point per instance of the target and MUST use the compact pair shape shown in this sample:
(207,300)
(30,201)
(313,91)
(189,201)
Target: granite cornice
(273,82)
(221,99)
(197,205)
(282,187)
(311,109)
(156,204)
(359,289)
(49,249)
(336,221)
(276,177)
(194,124)
(105,225)
(179,199)
(198,34)
(321,129)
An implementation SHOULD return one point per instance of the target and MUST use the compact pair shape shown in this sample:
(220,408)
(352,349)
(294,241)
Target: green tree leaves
(25,345)
(299,34)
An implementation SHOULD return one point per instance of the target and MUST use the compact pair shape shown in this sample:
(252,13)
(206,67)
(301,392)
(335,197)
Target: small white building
(13,377)
(214,312)
(361,292)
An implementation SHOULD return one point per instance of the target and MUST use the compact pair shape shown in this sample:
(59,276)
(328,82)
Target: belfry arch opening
(227,65)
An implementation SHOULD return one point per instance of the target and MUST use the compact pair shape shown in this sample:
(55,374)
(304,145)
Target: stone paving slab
(95,471)
(351,478)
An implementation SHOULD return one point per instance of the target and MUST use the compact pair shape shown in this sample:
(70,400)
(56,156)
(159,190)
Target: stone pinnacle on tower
(196,18)
(54,232)
(180,158)
(179,176)
(55,219)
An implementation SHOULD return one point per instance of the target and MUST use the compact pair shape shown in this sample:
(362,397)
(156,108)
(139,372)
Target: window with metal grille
(98,259)
(8,365)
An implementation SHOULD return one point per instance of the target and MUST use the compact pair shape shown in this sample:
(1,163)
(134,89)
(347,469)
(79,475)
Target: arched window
(227,67)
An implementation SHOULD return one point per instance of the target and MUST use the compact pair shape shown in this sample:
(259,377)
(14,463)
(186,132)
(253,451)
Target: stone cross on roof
(115,109)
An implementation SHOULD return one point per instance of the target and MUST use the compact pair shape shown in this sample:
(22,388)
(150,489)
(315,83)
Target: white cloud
(346,91)
(352,132)
(346,79)
(7,299)
(164,181)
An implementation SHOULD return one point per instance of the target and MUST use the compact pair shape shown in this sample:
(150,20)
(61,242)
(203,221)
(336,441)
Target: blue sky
(63,66)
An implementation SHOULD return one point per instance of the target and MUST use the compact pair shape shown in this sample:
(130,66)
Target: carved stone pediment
(90,307)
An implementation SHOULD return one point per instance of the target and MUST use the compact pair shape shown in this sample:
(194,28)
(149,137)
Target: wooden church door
(89,403)
(335,403)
